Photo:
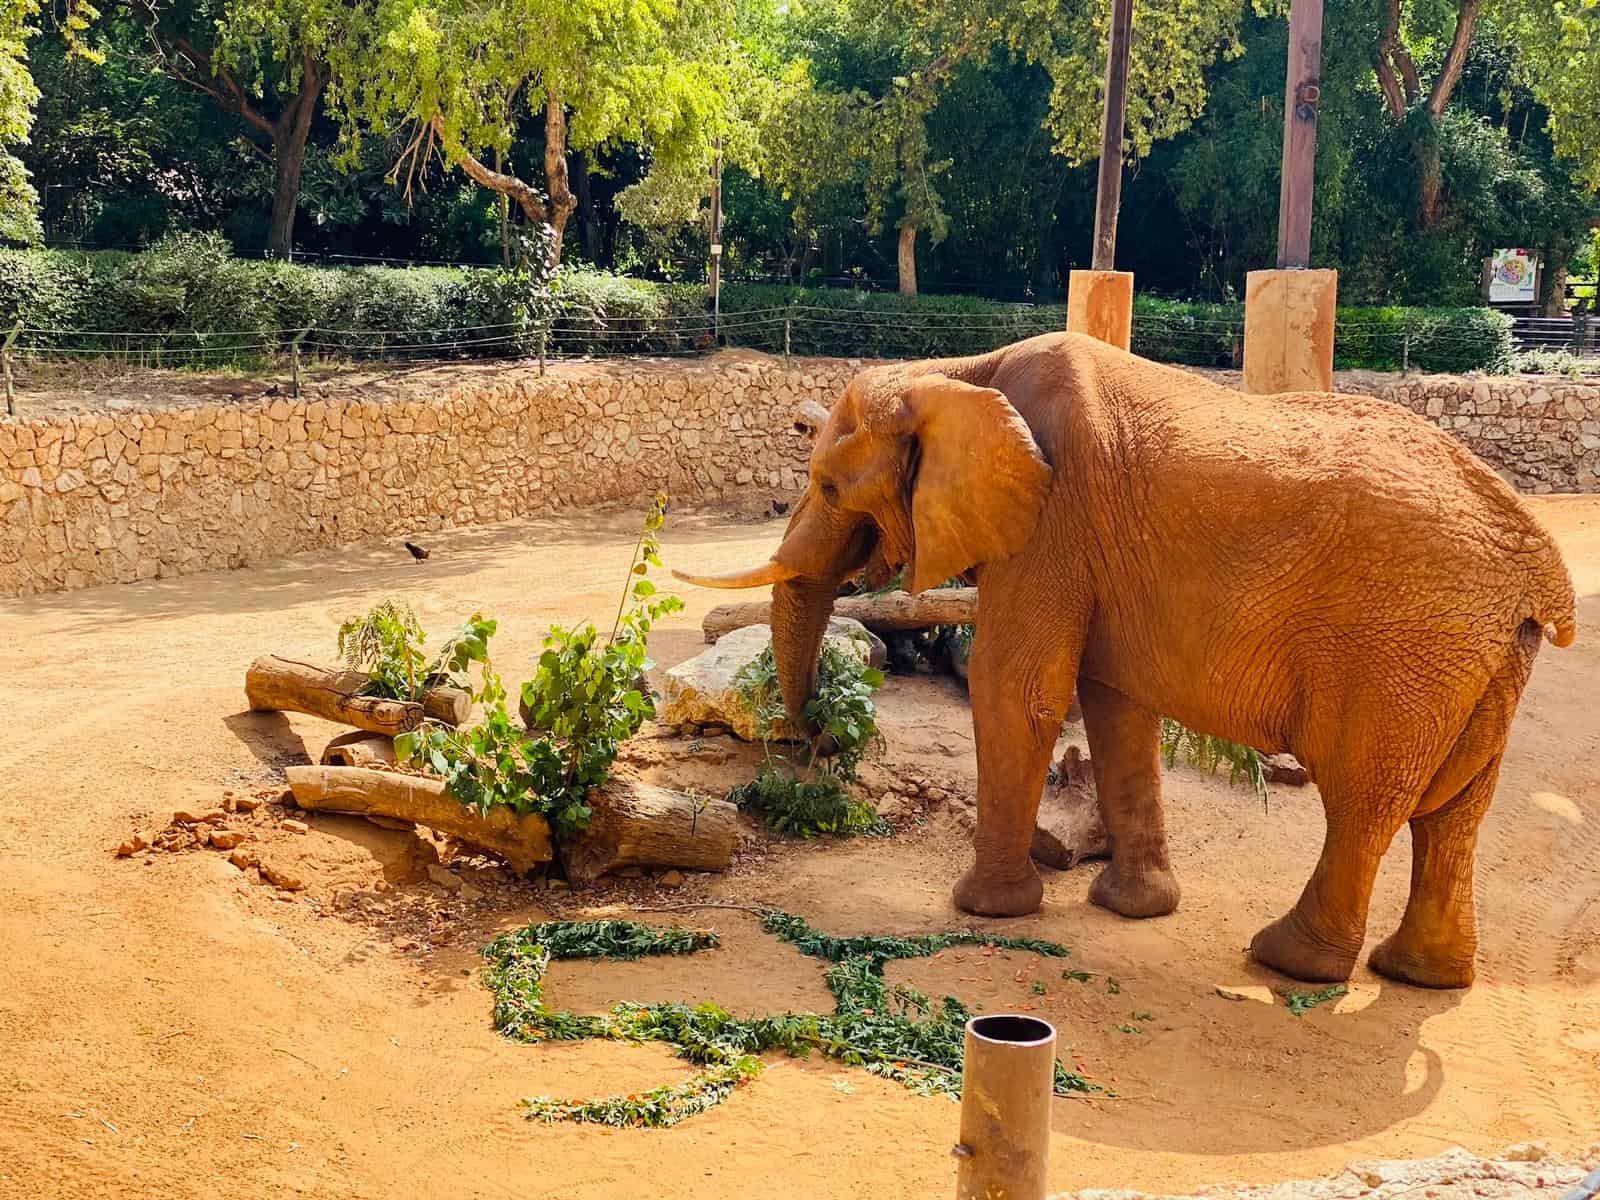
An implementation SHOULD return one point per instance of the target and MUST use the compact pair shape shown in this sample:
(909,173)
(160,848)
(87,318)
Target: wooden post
(294,362)
(1100,300)
(716,245)
(5,364)
(1302,99)
(1113,123)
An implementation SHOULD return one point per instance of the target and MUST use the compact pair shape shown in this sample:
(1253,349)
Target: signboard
(1514,277)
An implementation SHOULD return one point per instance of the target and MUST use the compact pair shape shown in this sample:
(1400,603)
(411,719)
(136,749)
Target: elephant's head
(922,470)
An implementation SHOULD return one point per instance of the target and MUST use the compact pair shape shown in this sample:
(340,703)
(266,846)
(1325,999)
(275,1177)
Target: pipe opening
(1012,1030)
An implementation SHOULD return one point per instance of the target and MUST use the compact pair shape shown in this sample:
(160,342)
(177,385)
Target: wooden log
(274,683)
(637,824)
(522,839)
(359,749)
(448,705)
(892,612)
(1070,826)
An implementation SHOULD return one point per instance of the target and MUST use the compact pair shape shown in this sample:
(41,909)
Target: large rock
(1070,827)
(702,691)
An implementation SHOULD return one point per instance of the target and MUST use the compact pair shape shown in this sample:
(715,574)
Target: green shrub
(1447,341)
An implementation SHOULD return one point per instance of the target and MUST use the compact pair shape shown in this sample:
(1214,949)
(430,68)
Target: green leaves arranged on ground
(896,1032)
(816,799)
(586,698)
(1300,1003)
(1211,754)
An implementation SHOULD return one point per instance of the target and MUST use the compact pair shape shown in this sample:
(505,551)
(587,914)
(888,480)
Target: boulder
(702,690)
(1069,827)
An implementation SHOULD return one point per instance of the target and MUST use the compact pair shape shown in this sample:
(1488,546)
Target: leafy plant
(387,644)
(1300,1003)
(585,699)
(805,808)
(895,1032)
(1210,754)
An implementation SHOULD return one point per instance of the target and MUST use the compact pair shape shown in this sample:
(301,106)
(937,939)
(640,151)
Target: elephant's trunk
(800,612)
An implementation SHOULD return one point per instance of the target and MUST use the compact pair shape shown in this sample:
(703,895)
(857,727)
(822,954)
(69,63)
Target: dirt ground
(171,1027)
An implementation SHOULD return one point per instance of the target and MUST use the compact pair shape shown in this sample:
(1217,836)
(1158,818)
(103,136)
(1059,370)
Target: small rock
(202,836)
(294,826)
(556,885)
(192,816)
(132,846)
(444,877)
(282,877)
(246,804)
(713,730)
(242,859)
(1284,768)
(1527,1152)
(226,839)
(671,879)
(1260,994)
(689,729)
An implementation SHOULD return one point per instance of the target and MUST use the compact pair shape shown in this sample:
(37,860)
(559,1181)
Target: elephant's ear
(981,478)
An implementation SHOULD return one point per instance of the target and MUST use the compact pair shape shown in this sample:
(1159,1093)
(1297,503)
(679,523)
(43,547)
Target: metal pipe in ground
(1007,1080)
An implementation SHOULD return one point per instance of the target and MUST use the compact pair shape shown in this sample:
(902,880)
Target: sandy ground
(169,1027)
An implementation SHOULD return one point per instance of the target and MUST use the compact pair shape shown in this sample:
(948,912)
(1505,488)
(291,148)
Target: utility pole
(716,244)
(1302,100)
(1100,300)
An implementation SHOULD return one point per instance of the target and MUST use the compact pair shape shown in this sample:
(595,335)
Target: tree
(19,203)
(457,76)
(267,63)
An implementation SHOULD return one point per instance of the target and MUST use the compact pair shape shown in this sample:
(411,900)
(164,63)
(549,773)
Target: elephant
(1329,576)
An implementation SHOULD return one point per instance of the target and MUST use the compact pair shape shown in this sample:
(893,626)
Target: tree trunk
(275,684)
(289,136)
(908,259)
(639,825)
(590,233)
(1553,282)
(562,201)
(522,839)
(1430,183)
(893,612)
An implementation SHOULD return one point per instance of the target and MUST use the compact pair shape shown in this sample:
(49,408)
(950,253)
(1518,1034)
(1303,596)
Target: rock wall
(99,497)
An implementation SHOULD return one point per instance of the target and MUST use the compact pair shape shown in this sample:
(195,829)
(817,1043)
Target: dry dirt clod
(246,804)
(671,879)
(282,877)
(132,846)
(192,816)
(242,859)
(294,826)
(226,839)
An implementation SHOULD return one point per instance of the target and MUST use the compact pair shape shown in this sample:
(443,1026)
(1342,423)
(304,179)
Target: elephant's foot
(1135,892)
(1290,949)
(1401,958)
(981,893)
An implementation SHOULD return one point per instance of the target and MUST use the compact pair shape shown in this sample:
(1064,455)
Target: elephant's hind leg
(1438,937)
(1124,750)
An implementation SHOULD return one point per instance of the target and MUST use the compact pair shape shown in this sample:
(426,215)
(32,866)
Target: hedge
(189,299)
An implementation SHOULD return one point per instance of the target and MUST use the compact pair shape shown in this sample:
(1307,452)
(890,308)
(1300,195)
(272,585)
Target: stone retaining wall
(96,498)
(102,497)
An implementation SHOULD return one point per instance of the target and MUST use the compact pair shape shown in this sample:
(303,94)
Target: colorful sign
(1515,278)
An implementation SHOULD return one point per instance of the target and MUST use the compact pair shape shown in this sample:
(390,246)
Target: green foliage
(19,202)
(805,808)
(1300,1003)
(586,698)
(895,1032)
(1210,754)
(387,644)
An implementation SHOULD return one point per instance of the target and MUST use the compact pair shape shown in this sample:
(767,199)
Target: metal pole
(786,337)
(294,362)
(5,360)
(1008,1076)
(1113,122)
(716,245)
(1302,99)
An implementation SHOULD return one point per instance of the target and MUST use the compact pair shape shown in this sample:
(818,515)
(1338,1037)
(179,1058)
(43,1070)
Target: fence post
(1405,347)
(543,334)
(1580,326)
(294,362)
(5,361)
(786,337)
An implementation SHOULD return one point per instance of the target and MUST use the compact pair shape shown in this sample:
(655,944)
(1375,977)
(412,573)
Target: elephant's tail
(1555,605)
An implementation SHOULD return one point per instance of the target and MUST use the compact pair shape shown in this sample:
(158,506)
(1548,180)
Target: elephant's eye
(829,491)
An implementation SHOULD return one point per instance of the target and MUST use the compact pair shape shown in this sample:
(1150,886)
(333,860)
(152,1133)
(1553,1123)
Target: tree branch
(1387,55)
(526,195)
(218,83)
(1456,59)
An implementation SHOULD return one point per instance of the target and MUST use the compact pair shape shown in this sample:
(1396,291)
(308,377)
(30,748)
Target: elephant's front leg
(1020,694)
(1124,750)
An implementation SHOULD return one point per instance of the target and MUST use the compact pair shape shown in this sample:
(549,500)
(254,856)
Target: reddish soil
(172,1026)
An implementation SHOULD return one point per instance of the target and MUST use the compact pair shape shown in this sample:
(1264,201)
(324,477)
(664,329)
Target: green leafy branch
(1211,754)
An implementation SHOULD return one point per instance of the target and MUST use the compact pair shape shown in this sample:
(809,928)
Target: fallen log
(522,839)
(274,683)
(892,612)
(447,704)
(359,749)
(637,824)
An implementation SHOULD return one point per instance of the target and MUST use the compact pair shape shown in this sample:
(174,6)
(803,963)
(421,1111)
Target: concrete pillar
(1288,331)
(1100,303)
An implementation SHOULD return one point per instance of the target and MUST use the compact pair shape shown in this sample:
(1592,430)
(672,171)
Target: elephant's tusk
(767,573)
(810,417)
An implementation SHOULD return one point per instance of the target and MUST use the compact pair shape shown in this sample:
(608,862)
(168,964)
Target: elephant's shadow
(1247,1077)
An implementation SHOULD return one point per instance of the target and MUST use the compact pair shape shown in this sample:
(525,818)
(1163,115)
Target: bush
(1448,341)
